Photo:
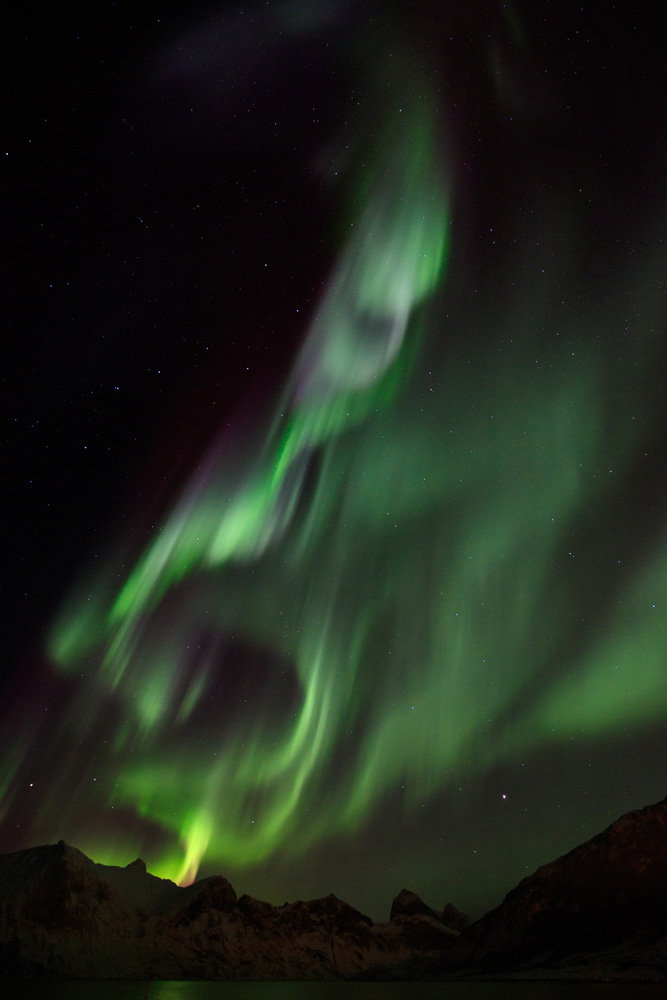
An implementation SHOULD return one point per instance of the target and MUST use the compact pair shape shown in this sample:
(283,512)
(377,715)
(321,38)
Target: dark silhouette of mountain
(600,910)
(62,915)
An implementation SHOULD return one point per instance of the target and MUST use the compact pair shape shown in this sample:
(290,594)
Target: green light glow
(401,551)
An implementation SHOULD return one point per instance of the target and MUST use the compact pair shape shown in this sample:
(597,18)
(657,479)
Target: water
(136,990)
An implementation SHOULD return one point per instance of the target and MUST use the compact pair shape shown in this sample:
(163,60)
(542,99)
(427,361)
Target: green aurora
(406,575)
(352,368)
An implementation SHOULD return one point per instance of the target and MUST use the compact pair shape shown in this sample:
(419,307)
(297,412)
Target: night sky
(336,516)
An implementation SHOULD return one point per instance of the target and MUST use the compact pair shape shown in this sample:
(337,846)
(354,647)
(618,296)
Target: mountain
(598,911)
(62,915)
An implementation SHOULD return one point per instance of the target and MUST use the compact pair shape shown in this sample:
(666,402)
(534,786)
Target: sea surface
(136,990)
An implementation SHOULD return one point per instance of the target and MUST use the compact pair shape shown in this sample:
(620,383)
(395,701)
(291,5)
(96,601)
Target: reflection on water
(135,990)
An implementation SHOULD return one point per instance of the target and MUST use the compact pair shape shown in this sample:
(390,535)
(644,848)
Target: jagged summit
(137,865)
(63,915)
(597,911)
(409,904)
(453,918)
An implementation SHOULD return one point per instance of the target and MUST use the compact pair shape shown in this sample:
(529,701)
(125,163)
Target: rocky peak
(138,866)
(454,919)
(409,904)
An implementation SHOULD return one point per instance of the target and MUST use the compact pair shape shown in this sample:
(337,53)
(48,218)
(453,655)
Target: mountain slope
(62,915)
(600,911)
(603,905)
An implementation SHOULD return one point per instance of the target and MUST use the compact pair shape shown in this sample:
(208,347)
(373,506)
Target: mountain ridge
(601,905)
(64,916)
(598,911)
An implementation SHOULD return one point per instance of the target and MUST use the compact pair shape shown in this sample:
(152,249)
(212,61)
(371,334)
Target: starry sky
(336,516)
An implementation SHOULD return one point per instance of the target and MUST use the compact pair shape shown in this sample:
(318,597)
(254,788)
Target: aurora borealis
(399,617)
